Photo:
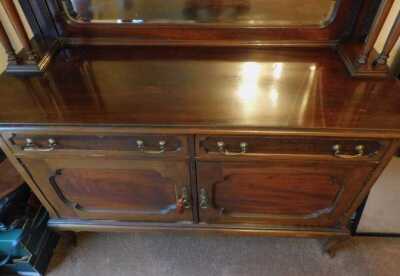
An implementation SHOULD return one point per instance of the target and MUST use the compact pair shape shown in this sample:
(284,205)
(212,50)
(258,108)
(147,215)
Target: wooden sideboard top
(201,87)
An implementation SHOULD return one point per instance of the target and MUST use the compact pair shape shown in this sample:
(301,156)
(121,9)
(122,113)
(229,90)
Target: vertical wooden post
(376,28)
(5,41)
(390,42)
(19,28)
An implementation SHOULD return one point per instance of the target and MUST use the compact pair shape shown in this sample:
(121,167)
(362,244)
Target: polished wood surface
(165,146)
(240,88)
(262,132)
(278,193)
(99,188)
(267,147)
(123,226)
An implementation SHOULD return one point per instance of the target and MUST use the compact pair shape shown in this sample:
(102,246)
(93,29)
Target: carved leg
(331,245)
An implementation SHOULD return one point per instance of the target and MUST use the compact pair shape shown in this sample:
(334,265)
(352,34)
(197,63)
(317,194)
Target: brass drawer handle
(162,149)
(30,146)
(360,149)
(221,149)
(203,199)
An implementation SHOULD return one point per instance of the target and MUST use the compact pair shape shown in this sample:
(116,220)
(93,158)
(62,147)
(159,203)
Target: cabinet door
(278,192)
(137,190)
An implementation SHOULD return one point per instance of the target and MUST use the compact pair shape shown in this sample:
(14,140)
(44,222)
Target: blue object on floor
(26,243)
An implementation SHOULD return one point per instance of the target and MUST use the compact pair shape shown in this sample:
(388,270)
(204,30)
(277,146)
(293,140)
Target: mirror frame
(323,22)
(78,32)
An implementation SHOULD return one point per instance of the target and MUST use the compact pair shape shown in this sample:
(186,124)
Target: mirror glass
(268,13)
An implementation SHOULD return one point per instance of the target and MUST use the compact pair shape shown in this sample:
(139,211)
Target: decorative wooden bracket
(360,58)
(38,67)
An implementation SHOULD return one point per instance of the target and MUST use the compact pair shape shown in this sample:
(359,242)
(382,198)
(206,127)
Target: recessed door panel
(278,193)
(302,195)
(139,190)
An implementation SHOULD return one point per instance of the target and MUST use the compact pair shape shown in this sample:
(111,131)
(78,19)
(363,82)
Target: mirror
(267,13)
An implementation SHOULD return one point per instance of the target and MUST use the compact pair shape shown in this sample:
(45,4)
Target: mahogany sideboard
(268,139)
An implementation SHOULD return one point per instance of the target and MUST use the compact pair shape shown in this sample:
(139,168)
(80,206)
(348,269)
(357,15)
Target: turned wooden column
(390,42)
(5,41)
(19,28)
(376,28)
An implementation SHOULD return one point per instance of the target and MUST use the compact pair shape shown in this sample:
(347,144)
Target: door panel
(278,193)
(291,195)
(139,190)
(79,185)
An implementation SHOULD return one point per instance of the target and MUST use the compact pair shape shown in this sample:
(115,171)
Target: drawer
(143,145)
(315,147)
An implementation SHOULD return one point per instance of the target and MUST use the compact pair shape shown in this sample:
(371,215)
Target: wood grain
(166,87)
(134,190)
(301,193)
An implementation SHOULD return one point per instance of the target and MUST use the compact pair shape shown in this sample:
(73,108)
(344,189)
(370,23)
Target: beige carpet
(195,255)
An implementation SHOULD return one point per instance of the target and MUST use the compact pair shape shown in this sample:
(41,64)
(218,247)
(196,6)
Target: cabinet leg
(330,246)
(70,237)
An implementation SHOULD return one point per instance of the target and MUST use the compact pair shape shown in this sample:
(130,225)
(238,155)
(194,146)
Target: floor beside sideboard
(188,254)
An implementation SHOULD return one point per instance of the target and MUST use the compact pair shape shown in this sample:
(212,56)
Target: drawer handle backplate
(162,149)
(203,199)
(360,149)
(223,150)
(30,146)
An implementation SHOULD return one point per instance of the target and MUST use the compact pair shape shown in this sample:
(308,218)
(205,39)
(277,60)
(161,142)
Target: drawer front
(291,193)
(135,190)
(143,145)
(316,147)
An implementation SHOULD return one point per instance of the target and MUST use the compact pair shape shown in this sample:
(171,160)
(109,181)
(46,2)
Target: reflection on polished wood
(244,12)
(201,87)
